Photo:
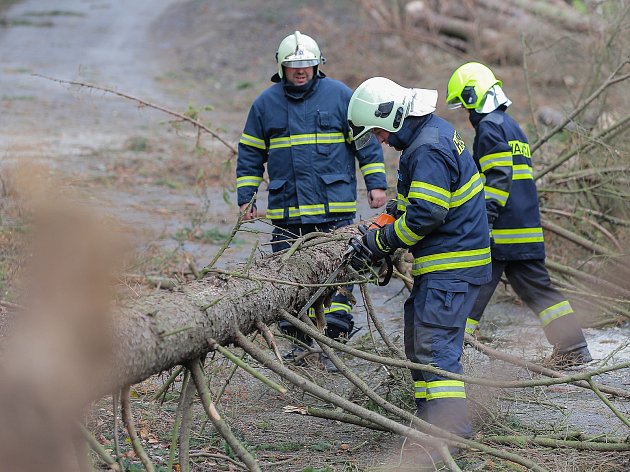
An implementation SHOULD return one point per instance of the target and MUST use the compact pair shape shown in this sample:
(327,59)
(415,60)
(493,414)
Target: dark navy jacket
(440,195)
(501,152)
(303,140)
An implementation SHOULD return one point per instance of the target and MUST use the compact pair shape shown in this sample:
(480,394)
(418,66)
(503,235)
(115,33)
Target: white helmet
(382,103)
(298,50)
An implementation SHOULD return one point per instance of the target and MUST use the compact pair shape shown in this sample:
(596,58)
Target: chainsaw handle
(388,274)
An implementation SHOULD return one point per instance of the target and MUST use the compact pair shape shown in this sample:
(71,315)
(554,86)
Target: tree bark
(168,328)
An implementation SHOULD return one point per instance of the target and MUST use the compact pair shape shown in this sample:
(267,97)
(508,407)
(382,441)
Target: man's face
(381,135)
(299,76)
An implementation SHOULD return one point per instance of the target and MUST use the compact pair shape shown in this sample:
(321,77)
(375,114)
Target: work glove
(392,208)
(374,240)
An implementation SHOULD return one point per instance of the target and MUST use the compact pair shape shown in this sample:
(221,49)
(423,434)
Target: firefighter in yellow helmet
(502,154)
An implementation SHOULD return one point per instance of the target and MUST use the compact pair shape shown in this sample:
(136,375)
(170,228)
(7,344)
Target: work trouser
(435,318)
(338,315)
(530,280)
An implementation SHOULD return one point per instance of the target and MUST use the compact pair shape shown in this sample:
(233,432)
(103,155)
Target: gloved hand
(374,241)
(392,207)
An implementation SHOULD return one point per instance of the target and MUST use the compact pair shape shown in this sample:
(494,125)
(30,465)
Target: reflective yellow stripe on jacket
(451,260)
(518,235)
(522,172)
(300,139)
(498,159)
(310,210)
(404,233)
(492,193)
(440,389)
(248,181)
(374,168)
(253,141)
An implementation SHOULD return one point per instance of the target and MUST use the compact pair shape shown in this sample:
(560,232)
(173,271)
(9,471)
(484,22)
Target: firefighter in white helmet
(442,221)
(297,129)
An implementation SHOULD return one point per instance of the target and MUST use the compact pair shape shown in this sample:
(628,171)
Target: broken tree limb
(169,328)
(576,238)
(180,116)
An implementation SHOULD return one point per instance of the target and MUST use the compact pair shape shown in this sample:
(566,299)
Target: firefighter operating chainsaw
(362,256)
(365,256)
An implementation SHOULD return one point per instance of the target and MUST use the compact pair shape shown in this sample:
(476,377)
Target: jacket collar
(410,127)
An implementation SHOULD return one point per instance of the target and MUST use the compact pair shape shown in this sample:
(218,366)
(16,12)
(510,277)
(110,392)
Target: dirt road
(145,171)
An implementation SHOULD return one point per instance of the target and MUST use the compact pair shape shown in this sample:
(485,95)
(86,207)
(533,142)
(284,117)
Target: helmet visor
(299,64)
(359,134)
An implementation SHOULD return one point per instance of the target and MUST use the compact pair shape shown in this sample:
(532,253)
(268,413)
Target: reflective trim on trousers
(439,389)
(554,312)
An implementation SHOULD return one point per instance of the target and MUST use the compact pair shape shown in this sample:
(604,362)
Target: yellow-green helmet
(469,84)
(298,50)
(377,103)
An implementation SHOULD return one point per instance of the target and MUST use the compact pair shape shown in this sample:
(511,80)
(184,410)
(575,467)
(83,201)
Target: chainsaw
(359,257)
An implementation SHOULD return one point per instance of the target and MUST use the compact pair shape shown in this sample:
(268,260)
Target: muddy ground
(176,197)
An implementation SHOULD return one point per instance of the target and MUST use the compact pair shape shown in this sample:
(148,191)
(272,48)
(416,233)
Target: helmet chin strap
(423,102)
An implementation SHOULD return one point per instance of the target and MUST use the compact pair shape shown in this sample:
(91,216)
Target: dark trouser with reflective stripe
(530,280)
(435,317)
(338,314)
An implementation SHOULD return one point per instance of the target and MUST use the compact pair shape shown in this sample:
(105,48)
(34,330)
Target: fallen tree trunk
(168,328)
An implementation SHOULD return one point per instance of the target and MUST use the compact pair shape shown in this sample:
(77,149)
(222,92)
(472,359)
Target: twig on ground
(131,429)
(556,377)
(219,423)
(247,368)
(99,450)
(369,307)
(171,378)
(185,428)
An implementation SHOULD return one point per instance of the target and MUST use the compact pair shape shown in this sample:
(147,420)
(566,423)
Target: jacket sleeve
(494,155)
(372,165)
(428,200)
(252,155)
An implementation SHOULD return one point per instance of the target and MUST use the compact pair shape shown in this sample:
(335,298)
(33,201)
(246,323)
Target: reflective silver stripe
(445,389)
(248,181)
(518,236)
(421,389)
(554,312)
(300,139)
(376,167)
(522,172)
(467,191)
(451,260)
(336,306)
(342,207)
(495,194)
(253,141)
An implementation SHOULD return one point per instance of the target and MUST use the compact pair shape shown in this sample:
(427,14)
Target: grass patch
(208,236)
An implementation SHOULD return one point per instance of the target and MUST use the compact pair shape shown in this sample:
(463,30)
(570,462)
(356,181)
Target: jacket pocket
(444,302)
(338,188)
(277,195)
(323,127)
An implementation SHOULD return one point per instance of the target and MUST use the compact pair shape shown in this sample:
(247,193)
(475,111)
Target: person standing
(502,154)
(297,128)
(442,221)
